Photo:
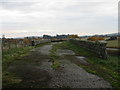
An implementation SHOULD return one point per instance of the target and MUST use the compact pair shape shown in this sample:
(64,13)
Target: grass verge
(108,69)
(9,57)
(54,57)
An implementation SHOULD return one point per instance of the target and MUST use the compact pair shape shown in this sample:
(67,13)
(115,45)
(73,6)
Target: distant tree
(47,37)
(113,38)
(73,36)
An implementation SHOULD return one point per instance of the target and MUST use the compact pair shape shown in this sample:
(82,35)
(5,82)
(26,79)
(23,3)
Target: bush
(93,38)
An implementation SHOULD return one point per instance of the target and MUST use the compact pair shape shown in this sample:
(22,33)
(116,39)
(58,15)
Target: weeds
(55,64)
(108,69)
(54,58)
(15,56)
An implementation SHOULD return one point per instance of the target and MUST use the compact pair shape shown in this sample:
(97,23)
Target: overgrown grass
(54,58)
(9,57)
(55,64)
(108,69)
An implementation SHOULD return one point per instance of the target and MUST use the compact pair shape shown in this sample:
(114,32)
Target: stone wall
(96,47)
(36,42)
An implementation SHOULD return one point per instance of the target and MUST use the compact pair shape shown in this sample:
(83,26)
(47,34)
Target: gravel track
(70,75)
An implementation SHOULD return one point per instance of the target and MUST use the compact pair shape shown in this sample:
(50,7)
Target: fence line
(14,43)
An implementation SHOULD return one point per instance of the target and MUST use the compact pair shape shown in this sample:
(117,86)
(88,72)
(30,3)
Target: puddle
(82,59)
(61,52)
(115,49)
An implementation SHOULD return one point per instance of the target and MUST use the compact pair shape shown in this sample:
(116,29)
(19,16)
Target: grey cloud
(59,16)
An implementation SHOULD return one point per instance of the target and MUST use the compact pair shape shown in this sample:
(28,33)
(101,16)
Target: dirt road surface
(39,73)
(71,75)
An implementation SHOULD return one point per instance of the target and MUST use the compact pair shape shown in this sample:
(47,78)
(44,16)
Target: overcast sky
(37,17)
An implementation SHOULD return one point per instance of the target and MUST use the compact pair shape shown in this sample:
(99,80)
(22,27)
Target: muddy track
(71,75)
(38,72)
(29,71)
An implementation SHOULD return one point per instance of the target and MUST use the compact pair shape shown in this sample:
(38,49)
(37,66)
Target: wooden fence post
(9,44)
(3,44)
(16,44)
